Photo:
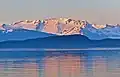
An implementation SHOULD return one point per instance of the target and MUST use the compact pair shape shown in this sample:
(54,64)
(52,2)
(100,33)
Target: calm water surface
(77,63)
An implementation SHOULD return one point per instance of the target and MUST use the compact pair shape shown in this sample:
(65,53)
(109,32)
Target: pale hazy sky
(99,11)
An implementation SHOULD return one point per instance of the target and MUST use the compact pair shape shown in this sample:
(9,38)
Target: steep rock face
(51,25)
(64,26)
(28,24)
(1,28)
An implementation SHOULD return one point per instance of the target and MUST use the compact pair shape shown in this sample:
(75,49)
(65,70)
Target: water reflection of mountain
(57,64)
(63,66)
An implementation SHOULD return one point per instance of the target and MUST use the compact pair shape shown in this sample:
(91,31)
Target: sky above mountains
(96,11)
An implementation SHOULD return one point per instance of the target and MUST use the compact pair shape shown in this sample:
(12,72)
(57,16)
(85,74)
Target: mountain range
(31,29)
(61,42)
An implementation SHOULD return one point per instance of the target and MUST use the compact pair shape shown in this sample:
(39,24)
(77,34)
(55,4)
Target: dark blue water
(77,63)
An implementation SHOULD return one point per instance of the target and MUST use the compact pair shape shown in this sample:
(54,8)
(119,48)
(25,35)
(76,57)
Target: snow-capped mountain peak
(64,26)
